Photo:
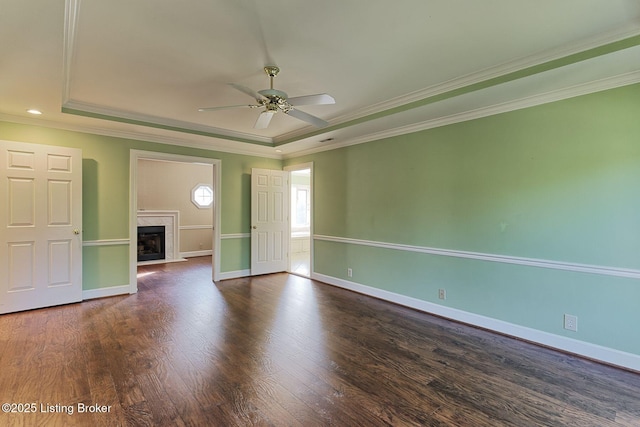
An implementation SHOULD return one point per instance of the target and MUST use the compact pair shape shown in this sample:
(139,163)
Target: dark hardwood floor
(282,350)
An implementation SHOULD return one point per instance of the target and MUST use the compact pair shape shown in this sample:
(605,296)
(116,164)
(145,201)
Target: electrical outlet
(571,322)
(442,294)
(349,272)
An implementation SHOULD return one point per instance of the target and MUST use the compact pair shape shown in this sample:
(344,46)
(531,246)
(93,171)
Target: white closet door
(41,226)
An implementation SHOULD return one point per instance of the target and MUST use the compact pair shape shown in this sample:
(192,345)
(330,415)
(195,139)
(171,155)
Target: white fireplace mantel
(171,222)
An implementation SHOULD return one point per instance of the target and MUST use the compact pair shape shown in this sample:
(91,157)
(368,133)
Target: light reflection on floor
(146,273)
(300,263)
(297,329)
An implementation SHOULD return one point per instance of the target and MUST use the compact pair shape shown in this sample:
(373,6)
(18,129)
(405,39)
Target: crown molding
(223,145)
(188,134)
(72,11)
(476,77)
(71,14)
(183,140)
(518,104)
(71,106)
(92,110)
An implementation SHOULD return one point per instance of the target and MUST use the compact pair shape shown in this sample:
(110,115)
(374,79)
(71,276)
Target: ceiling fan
(275,100)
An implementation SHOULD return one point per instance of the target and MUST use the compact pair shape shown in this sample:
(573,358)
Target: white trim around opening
(293,168)
(136,155)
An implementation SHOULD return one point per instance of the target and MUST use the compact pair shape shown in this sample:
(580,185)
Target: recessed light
(278,151)
(34,111)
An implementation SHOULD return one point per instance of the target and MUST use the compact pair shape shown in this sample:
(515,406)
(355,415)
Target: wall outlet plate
(442,294)
(571,322)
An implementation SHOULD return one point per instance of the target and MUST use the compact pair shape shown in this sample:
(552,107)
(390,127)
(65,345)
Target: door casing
(297,167)
(136,155)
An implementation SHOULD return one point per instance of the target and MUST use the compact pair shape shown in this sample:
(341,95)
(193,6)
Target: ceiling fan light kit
(276,100)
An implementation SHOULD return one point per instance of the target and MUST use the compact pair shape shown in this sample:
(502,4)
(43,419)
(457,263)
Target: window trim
(194,198)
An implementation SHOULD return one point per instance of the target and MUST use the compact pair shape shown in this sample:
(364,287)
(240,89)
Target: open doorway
(301,235)
(195,196)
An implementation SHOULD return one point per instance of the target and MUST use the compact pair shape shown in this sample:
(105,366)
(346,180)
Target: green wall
(106,196)
(557,182)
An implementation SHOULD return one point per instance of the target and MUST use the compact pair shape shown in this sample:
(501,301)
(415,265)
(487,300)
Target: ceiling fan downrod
(276,98)
(271,71)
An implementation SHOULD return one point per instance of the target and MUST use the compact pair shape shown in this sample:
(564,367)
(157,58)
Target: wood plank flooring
(281,350)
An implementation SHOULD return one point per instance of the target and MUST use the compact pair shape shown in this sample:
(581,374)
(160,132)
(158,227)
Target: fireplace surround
(170,220)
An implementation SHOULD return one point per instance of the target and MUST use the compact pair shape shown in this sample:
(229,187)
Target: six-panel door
(41,223)
(269,221)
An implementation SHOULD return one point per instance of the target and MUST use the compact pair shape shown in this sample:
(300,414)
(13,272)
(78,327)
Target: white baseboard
(106,292)
(161,261)
(192,254)
(234,274)
(591,351)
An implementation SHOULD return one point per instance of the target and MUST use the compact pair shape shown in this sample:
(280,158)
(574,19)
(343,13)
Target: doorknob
(76,231)
(254,227)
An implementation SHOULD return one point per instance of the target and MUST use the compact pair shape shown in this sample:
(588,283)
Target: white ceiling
(142,68)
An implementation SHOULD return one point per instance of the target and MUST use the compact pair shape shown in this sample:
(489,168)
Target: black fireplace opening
(151,243)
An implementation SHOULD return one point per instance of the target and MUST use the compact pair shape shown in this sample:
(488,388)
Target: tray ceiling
(142,69)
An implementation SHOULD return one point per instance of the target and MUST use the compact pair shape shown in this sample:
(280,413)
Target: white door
(40,225)
(269,221)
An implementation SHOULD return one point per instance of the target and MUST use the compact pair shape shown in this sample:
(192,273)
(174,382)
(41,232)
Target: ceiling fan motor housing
(273,93)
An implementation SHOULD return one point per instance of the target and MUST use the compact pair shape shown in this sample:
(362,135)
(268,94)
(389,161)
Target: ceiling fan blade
(252,93)
(264,119)
(225,107)
(316,121)
(319,99)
